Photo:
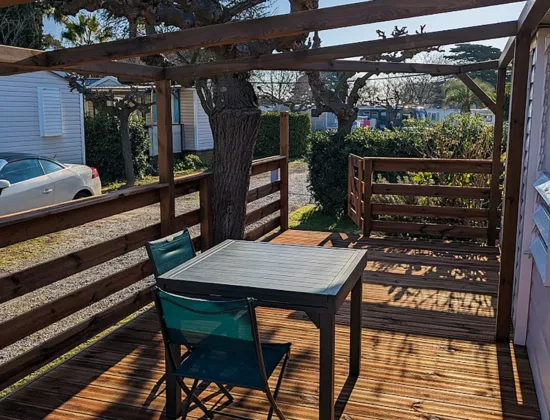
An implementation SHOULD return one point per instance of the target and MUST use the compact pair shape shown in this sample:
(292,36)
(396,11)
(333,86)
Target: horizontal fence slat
(431,190)
(262,212)
(34,320)
(27,280)
(429,211)
(268,164)
(38,356)
(186,220)
(263,229)
(428,229)
(263,191)
(34,223)
(432,165)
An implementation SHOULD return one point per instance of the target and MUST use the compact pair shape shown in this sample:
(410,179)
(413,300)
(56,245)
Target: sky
(366,32)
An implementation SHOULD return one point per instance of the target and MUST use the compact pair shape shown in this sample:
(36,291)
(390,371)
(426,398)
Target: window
(21,170)
(50,167)
(49,112)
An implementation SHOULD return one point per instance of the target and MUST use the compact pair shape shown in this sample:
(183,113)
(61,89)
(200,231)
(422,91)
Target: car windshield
(2,163)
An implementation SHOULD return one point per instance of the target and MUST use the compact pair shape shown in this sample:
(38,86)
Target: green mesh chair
(223,345)
(169,252)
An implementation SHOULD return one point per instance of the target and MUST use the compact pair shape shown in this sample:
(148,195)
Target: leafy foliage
(104,150)
(188,163)
(460,95)
(85,30)
(473,53)
(458,136)
(268,140)
(21,25)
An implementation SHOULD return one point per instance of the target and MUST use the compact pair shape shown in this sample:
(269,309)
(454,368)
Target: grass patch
(27,250)
(149,179)
(311,218)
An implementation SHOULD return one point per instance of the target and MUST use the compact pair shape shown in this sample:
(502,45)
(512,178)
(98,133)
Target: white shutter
(49,112)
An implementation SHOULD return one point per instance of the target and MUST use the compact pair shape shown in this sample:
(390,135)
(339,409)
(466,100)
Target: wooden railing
(373,216)
(32,224)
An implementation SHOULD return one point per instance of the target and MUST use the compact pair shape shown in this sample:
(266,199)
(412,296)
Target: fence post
(165,156)
(496,168)
(366,191)
(206,212)
(284,138)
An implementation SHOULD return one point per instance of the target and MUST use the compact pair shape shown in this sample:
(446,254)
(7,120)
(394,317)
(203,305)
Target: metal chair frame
(190,392)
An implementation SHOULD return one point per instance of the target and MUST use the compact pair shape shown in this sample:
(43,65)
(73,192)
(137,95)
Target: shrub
(188,163)
(328,161)
(458,136)
(268,141)
(104,150)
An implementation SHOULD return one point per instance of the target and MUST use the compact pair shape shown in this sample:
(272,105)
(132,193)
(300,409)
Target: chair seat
(232,367)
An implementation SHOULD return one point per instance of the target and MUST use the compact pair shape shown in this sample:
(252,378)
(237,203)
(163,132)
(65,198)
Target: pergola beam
(243,31)
(529,20)
(292,60)
(128,71)
(388,67)
(478,91)
(507,53)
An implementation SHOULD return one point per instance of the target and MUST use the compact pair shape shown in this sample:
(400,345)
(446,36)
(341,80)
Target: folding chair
(223,345)
(171,251)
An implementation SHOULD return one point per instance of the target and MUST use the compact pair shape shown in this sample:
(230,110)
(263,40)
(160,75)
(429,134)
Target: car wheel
(82,194)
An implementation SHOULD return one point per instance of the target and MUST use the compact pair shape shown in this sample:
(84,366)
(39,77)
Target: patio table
(312,279)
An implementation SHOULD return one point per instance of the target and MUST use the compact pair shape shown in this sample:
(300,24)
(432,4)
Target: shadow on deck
(428,351)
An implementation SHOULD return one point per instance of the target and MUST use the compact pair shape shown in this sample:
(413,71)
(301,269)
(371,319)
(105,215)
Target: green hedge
(268,141)
(459,136)
(103,146)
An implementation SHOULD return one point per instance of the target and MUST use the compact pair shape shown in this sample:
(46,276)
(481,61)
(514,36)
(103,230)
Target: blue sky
(433,23)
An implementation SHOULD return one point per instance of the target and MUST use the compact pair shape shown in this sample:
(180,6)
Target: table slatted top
(312,276)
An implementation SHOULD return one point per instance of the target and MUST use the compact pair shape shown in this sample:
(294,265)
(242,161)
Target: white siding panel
(19,118)
(205,140)
(538,341)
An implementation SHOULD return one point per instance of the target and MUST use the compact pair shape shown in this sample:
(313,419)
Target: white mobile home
(39,114)
(191,130)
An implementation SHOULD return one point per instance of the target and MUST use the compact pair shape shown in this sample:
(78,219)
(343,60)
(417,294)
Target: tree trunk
(124,117)
(235,122)
(345,121)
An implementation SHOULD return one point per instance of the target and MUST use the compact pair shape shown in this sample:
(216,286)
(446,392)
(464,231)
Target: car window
(50,167)
(21,170)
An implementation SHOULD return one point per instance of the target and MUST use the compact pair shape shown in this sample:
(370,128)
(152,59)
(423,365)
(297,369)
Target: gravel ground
(24,255)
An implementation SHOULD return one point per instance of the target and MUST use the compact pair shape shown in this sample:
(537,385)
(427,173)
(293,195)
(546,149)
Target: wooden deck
(428,324)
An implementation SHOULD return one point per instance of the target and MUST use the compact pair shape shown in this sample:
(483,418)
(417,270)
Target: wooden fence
(32,224)
(366,213)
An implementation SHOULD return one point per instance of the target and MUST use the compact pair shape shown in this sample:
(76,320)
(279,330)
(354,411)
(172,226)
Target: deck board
(428,353)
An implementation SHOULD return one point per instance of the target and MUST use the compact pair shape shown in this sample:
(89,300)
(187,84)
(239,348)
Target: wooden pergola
(103,59)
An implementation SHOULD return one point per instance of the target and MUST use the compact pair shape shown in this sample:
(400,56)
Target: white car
(30,181)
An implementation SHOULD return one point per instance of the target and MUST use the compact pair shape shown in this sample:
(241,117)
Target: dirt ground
(20,256)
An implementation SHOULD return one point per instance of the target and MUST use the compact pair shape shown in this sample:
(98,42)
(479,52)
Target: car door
(66,183)
(30,187)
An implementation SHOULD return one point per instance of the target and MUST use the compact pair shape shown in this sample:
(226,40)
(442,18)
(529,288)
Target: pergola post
(514,155)
(496,196)
(167,216)
(165,155)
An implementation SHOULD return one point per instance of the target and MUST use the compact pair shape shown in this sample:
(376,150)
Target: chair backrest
(215,325)
(169,252)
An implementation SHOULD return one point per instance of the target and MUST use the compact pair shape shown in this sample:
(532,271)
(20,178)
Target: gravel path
(53,246)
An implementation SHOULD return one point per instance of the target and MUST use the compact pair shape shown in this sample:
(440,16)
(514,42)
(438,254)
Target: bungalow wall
(21,113)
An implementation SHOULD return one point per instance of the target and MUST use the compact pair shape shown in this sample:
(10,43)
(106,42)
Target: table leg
(173,391)
(326,377)
(355,328)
